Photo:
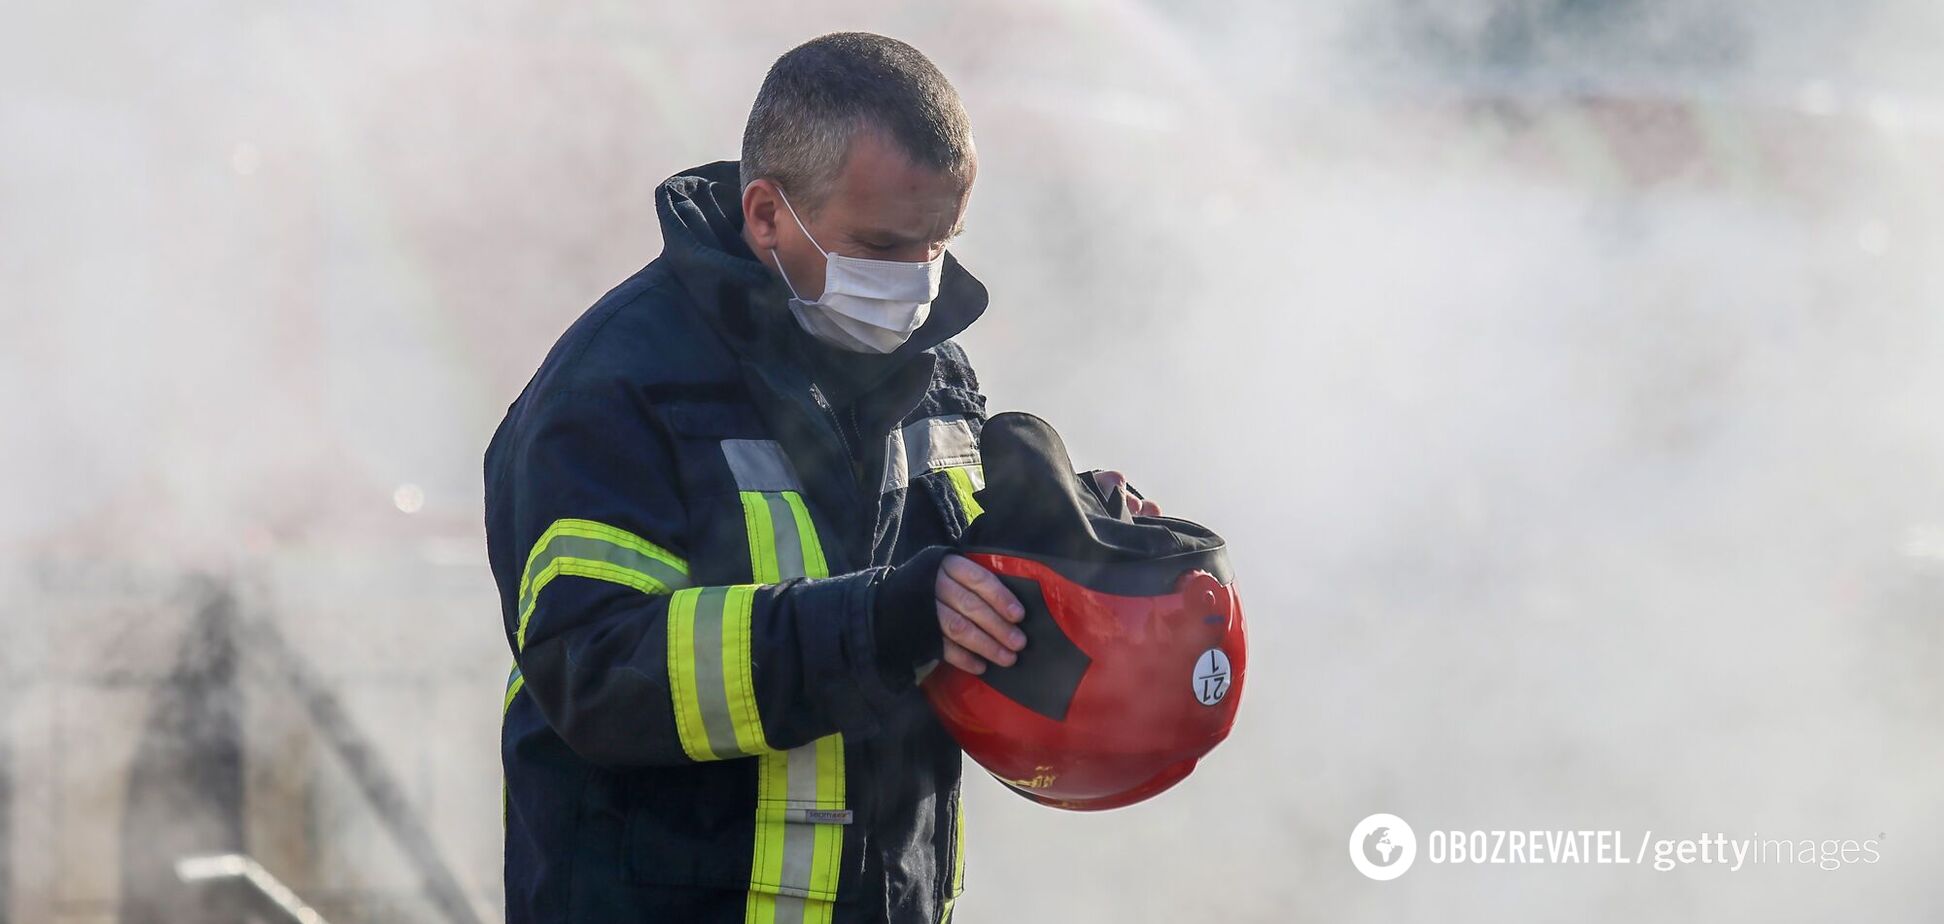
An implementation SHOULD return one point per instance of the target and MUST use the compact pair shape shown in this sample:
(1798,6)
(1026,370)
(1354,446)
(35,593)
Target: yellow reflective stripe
(514,682)
(739,683)
(764,908)
(795,856)
(796,861)
(772,805)
(958,854)
(590,529)
(829,843)
(775,542)
(710,676)
(513,687)
(589,568)
(762,538)
(585,548)
(814,564)
(961,476)
(681,676)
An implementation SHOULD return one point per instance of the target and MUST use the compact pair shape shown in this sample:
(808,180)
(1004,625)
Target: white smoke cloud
(1564,375)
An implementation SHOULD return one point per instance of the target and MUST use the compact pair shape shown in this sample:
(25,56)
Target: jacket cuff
(904,621)
(842,657)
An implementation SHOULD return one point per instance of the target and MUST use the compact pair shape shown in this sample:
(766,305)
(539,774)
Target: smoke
(1564,376)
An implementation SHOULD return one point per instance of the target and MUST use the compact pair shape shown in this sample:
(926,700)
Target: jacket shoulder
(642,333)
(954,387)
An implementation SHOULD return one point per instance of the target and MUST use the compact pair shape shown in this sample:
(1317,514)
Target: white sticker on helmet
(1211,676)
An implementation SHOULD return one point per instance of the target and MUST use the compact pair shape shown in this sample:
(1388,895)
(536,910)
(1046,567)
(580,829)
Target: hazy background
(1566,376)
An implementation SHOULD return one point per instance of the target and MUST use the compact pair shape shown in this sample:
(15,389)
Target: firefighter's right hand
(978,616)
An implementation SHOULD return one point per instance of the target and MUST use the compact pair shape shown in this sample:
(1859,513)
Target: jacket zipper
(837,424)
(864,808)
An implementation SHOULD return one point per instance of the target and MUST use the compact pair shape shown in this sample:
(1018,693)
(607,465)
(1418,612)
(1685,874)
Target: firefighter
(719,518)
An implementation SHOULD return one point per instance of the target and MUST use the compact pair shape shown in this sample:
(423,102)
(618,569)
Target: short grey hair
(820,94)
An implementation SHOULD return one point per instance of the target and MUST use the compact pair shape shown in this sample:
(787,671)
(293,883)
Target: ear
(761,207)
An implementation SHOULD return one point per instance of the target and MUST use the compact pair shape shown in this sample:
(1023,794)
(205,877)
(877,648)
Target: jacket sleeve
(628,661)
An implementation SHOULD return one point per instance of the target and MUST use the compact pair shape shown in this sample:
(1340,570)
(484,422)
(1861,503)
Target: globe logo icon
(1378,847)
(1382,847)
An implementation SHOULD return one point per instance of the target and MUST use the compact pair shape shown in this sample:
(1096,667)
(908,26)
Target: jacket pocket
(802,821)
(708,825)
(797,855)
(689,826)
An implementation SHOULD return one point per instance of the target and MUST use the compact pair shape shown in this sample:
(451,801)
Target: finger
(958,657)
(958,628)
(989,622)
(969,604)
(1110,481)
(969,575)
(1150,508)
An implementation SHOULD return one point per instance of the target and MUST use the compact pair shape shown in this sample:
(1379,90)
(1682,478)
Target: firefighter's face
(881,207)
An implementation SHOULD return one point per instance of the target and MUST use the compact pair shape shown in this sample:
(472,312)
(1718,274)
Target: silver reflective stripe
(927,446)
(789,909)
(789,544)
(759,465)
(710,690)
(939,442)
(802,790)
(896,472)
(799,848)
(786,847)
(599,550)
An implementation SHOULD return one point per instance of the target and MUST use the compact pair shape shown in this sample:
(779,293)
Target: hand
(1112,481)
(977,615)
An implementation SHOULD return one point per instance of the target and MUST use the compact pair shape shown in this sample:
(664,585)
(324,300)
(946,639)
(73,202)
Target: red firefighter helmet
(1136,648)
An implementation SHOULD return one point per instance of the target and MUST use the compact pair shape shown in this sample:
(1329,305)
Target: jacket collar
(747,304)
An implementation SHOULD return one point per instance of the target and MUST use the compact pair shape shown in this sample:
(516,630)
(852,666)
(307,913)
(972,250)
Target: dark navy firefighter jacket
(686,510)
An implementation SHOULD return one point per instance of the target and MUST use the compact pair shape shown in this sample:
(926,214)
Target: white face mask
(867,306)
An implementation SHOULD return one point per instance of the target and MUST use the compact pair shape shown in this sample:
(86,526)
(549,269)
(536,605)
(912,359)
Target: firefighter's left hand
(1111,481)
